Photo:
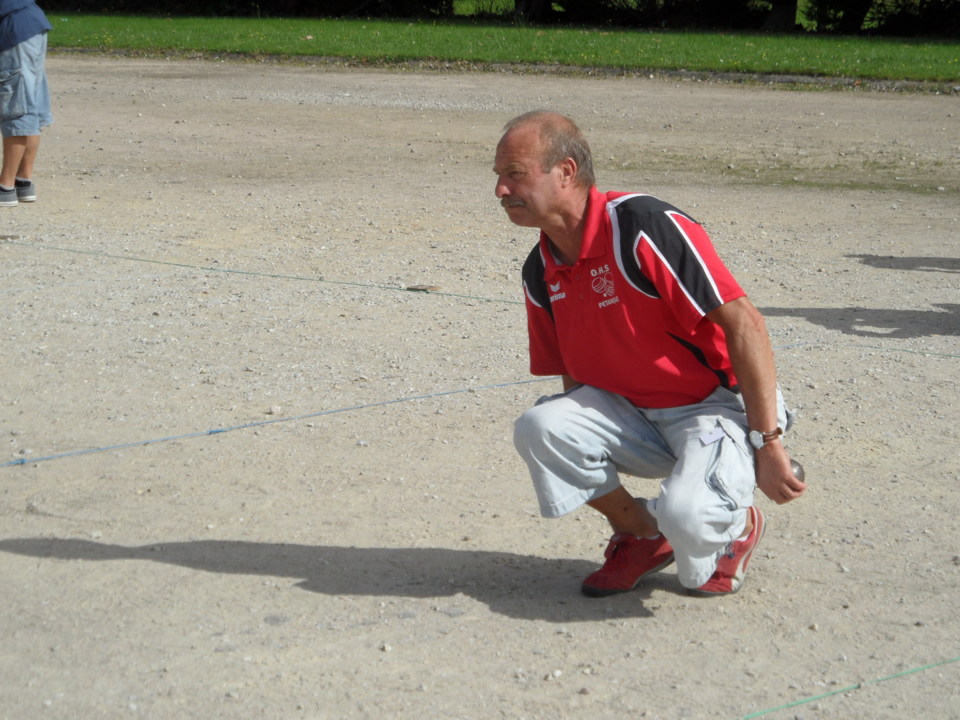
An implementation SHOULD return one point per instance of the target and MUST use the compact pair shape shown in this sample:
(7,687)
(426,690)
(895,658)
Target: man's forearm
(751,355)
(752,358)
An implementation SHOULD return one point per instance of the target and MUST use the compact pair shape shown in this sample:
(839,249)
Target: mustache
(511,202)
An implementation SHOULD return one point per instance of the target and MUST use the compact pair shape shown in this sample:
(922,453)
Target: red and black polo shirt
(628,317)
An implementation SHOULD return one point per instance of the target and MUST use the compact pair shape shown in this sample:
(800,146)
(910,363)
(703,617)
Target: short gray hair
(562,139)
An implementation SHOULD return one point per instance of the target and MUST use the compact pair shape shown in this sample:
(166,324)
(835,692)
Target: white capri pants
(577,443)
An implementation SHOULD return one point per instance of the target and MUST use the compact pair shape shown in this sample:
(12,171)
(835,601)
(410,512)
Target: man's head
(543,167)
(561,139)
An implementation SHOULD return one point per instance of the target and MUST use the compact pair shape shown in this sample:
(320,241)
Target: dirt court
(248,473)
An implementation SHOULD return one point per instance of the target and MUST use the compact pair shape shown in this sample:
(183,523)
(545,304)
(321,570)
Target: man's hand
(752,359)
(775,476)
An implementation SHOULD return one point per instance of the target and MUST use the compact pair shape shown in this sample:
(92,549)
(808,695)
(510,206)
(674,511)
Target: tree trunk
(782,17)
(530,10)
(854,13)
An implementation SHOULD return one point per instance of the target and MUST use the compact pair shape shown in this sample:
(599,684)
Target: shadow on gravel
(880,323)
(924,264)
(518,586)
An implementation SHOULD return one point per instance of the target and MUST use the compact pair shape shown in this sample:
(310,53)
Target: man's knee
(531,428)
(684,523)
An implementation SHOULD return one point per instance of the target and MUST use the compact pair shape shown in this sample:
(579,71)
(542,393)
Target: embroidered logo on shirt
(555,293)
(603,285)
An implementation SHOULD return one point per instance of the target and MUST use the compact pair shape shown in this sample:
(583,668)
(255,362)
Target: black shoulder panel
(634,216)
(534,283)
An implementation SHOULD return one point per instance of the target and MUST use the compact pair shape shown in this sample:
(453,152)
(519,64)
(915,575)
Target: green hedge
(906,18)
(256,8)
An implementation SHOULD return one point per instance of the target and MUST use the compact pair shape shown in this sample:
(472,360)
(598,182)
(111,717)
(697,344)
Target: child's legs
(19,155)
(24,106)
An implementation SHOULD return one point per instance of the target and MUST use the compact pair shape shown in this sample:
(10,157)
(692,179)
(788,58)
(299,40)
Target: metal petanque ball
(798,470)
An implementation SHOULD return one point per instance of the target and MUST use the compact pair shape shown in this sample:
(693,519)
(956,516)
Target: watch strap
(771,435)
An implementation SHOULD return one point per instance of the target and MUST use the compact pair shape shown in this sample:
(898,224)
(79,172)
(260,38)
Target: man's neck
(566,235)
(566,252)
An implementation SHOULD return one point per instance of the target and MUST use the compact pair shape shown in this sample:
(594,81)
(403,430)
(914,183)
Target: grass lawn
(465,41)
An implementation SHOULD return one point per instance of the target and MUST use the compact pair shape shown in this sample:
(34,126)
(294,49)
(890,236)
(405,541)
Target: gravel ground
(249,473)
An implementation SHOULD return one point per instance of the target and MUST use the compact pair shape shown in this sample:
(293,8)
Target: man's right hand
(775,475)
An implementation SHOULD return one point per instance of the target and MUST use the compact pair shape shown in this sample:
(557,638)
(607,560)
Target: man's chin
(518,215)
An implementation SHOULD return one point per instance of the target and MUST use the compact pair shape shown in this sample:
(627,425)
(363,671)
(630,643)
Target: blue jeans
(24,95)
(576,444)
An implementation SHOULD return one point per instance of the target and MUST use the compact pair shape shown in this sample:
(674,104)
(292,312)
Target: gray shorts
(576,444)
(24,95)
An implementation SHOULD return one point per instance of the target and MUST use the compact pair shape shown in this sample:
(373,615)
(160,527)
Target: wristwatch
(758,438)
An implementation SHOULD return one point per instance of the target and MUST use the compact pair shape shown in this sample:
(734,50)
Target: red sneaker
(629,560)
(732,568)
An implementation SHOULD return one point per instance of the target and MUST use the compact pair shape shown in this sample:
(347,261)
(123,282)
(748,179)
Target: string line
(256,273)
(263,423)
(851,688)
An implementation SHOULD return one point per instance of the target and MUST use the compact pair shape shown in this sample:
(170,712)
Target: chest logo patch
(603,284)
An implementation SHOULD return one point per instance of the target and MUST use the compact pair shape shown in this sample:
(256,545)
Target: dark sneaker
(8,198)
(629,560)
(732,568)
(26,191)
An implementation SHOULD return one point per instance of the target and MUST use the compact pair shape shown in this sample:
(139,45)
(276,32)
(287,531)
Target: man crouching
(667,370)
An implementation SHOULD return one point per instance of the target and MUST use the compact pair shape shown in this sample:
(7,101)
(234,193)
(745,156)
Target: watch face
(756,439)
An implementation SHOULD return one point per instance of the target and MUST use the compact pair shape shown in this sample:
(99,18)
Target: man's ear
(568,171)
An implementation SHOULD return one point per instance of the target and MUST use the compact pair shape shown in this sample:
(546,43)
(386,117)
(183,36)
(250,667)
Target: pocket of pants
(731,471)
(13,98)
